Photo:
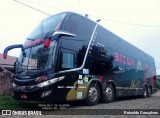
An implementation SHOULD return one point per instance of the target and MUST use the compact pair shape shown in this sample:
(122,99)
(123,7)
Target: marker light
(41,79)
(46,43)
(4,56)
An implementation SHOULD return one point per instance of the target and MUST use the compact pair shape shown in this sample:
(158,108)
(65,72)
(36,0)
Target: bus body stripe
(71,87)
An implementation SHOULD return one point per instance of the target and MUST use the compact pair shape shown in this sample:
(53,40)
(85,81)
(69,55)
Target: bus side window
(68,61)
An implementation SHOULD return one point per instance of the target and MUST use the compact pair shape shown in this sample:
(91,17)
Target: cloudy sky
(136,21)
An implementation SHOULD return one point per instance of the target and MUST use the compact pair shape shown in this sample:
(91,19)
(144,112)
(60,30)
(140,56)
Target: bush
(158,85)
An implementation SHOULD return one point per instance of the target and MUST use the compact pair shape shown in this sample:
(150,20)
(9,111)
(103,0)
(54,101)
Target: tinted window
(80,26)
(49,24)
(68,60)
(36,57)
(105,38)
(53,23)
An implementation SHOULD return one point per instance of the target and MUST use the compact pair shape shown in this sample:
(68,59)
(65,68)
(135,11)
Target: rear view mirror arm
(10,48)
(59,33)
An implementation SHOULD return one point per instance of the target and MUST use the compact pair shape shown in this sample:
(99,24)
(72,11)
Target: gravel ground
(129,103)
(121,104)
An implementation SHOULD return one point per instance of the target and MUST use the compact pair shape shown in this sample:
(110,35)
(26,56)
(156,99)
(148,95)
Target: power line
(80,6)
(143,25)
(32,7)
(42,4)
(122,22)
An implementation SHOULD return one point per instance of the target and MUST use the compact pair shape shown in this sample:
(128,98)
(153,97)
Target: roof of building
(7,63)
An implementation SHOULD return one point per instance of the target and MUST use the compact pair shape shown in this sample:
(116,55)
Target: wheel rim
(93,94)
(149,91)
(109,92)
(145,92)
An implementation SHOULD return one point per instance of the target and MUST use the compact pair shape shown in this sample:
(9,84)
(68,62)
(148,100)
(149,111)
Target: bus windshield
(49,24)
(35,58)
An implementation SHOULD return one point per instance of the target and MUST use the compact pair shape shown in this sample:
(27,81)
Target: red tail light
(46,43)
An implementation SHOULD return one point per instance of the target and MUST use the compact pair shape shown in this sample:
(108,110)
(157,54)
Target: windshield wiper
(21,71)
(36,69)
(41,70)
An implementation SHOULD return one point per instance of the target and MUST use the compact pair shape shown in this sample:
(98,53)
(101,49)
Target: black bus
(70,57)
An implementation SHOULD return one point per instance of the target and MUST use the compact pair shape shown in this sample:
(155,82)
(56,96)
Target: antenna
(98,20)
(86,15)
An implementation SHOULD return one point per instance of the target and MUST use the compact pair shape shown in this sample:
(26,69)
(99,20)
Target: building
(8,63)
(158,81)
(6,74)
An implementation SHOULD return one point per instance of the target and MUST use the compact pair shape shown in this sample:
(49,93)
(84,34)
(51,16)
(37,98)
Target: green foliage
(158,85)
(7,102)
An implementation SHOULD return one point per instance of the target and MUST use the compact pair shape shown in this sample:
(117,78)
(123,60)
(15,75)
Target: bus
(69,57)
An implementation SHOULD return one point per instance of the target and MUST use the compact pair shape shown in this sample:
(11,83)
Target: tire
(109,95)
(149,92)
(145,92)
(93,95)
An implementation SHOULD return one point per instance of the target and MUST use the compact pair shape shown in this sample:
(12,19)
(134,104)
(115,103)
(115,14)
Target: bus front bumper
(39,92)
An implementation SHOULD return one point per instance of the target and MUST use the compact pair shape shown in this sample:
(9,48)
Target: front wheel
(108,95)
(93,94)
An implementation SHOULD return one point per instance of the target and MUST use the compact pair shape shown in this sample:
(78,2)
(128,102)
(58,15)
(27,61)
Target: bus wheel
(93,94)
(145,92)
(149,91)
(108,95)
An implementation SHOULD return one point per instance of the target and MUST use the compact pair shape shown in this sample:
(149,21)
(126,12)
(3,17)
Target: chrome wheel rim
(145,93)
(149,91)
(109,92)
(93,94)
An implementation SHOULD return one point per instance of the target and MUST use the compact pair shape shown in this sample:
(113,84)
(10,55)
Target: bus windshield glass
(49,24)
(35,58)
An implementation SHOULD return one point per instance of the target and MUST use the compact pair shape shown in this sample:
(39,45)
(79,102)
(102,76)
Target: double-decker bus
(70,57)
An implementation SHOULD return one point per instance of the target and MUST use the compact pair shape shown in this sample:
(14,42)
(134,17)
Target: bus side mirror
(10,48)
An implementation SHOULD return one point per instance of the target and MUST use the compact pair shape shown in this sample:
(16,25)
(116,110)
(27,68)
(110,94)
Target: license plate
(24,96)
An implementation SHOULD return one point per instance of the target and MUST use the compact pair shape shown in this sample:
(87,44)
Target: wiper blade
(41,70)
(36,69)
(21,71)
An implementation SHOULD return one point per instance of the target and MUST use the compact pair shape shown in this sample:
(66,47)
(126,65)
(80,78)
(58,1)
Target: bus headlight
(46,83)
(42,84)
